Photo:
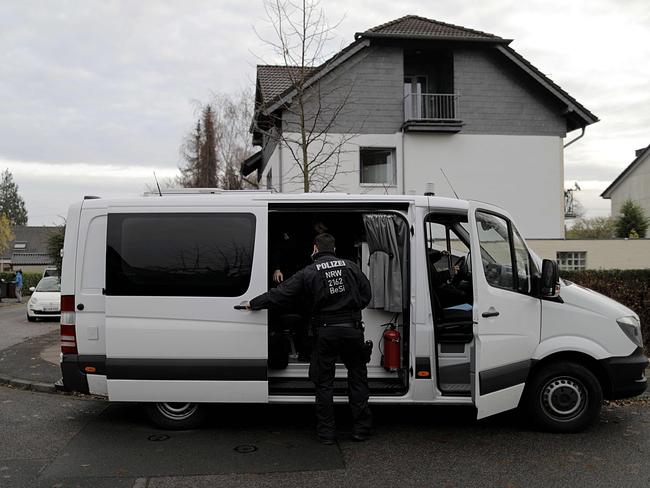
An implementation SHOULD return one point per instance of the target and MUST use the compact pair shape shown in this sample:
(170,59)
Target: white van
(151,288)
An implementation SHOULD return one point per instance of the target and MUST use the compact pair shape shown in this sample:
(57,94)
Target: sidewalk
(32,364)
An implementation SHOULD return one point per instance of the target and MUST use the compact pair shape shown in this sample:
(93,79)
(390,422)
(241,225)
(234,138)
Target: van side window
(179,254)
(505,258)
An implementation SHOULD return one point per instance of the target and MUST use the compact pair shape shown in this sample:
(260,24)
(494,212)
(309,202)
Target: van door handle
(491,312)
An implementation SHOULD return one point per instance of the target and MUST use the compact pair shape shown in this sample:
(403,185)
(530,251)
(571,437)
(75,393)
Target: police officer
(336,291)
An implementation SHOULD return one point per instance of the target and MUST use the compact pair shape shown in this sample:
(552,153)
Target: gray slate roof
(30,259)
(35,239)
(421,27)
(275,80)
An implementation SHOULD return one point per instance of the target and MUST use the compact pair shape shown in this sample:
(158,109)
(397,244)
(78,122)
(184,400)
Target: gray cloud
(113,82)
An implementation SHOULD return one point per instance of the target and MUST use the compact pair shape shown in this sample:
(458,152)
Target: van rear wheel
(176,415)
(564,397)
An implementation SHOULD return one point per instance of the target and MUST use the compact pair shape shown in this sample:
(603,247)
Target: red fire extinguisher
(391,348)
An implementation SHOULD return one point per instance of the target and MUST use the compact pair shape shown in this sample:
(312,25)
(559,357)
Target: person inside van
(336,291)
(445,280)
(287,257)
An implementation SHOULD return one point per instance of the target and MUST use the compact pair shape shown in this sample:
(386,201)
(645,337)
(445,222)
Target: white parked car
(45,300)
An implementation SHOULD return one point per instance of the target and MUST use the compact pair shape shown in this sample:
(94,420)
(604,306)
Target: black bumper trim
(73,378)
(626,374)
(187,369)
(503,377)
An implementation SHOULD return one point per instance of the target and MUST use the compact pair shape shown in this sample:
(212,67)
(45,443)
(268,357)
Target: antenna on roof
(450,185)
(155,178)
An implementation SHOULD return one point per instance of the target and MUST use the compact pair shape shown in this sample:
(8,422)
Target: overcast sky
(95,95)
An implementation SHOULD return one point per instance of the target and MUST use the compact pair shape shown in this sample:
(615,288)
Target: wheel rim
(564,398)
(177,411)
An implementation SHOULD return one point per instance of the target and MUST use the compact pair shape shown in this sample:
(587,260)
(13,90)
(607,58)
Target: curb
(28,384)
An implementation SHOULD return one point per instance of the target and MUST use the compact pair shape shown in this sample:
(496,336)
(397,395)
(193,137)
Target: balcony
(432,112)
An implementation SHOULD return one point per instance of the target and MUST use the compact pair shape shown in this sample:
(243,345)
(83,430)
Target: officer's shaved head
(325,242)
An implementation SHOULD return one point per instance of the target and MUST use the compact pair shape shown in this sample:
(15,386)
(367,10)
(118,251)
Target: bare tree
(300,38)
(232,115)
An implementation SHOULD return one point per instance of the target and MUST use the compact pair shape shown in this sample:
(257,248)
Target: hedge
(631,287)
(29,279)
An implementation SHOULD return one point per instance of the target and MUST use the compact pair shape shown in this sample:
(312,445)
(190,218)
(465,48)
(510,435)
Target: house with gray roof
(421,104)
(28,251)
(632,184)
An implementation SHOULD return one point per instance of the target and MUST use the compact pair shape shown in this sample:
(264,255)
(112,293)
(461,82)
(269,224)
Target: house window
(378,166)
(572,260)
(20,245)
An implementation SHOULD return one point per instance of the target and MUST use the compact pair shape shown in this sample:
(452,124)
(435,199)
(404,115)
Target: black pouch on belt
(367,351)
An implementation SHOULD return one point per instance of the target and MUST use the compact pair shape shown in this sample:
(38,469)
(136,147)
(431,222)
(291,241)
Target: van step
(301,386)
(456,389)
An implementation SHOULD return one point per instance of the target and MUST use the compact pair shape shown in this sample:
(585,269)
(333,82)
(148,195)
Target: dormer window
(20,246)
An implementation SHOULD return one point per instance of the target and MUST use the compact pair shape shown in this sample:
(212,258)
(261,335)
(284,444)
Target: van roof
(248,197)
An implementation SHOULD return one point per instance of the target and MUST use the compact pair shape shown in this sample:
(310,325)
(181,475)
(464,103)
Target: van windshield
(49,284)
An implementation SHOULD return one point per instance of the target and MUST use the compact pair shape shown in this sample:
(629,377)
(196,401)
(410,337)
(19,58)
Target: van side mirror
(550,279)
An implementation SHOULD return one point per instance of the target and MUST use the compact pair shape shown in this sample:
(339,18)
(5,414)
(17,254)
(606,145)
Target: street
(14,327)
(57,440)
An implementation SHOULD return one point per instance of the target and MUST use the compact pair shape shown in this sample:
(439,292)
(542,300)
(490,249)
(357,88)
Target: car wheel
(31,319)
(564,397)
(176,416)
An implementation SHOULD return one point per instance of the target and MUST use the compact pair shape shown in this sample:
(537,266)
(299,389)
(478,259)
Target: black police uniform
(336,291)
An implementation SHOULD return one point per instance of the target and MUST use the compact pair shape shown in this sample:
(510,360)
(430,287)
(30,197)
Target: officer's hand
(278,277)
(247,305)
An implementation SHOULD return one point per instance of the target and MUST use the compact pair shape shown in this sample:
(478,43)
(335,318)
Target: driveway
(14,327)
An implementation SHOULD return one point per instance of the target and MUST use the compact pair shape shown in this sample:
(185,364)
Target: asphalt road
(14,327)
(60,441)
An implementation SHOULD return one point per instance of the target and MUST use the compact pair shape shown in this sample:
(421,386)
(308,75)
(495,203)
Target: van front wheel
(564,397)
(176,415)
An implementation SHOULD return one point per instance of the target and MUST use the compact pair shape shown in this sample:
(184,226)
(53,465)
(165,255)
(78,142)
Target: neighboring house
(28,251)
(425,96)
(632,184)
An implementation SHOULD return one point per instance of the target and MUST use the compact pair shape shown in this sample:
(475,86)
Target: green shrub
(631,287)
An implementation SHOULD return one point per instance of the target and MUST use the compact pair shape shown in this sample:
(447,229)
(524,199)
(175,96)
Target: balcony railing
(431,106)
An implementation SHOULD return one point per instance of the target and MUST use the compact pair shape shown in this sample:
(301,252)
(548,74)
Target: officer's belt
(351,325)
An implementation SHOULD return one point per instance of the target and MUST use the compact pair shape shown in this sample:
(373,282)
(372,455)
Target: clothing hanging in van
(386,235)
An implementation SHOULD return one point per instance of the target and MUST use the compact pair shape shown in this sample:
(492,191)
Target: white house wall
(635,186)
(600,253)
(522,174)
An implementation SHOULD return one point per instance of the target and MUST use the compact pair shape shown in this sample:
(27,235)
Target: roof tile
(413,25)
(274,80)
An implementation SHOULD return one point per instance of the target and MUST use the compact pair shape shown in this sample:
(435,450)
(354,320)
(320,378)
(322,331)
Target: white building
(632,184)
(413,98)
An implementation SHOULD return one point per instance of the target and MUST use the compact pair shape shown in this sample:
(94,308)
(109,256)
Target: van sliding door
(172,278)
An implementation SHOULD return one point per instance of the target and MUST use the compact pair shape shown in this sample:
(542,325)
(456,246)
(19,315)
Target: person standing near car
(19,286)
(336,291)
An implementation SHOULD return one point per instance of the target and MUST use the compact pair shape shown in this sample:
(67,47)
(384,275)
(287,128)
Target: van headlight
(632,329)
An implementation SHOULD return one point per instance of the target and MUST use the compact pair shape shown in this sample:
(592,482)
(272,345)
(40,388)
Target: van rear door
(506,314)
(173,275)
